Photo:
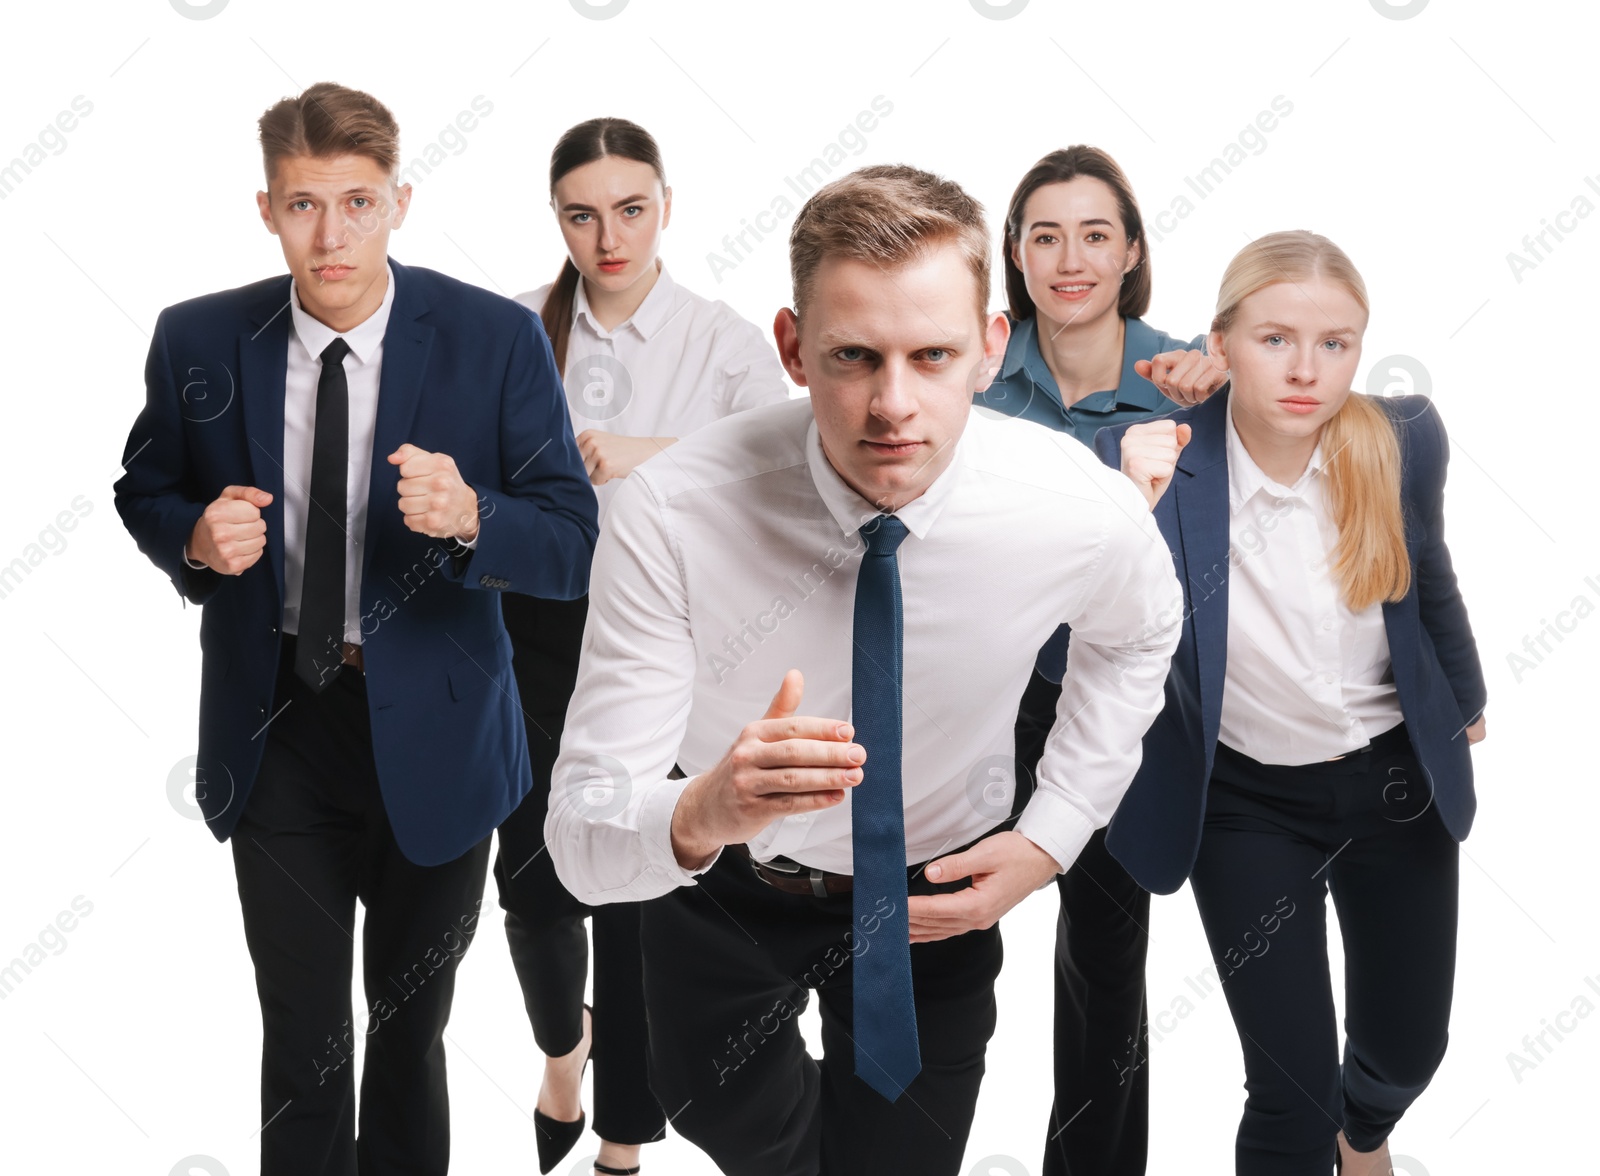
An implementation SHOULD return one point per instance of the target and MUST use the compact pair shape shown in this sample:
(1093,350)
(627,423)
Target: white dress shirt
(678,362)
(362,368)
(723,568)
(1307,678)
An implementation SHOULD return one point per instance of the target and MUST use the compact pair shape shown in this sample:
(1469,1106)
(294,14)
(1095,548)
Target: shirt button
(1327,624)
(802,818)
(1327,677)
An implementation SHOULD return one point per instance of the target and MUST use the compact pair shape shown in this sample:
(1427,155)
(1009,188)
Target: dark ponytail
(588,141)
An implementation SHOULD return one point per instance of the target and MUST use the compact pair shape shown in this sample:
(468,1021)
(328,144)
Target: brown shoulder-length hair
(593,139)
(1057,168)
(328,119)
(887,214)
(1370,561)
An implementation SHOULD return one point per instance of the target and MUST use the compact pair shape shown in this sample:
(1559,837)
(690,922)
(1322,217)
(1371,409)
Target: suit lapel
(406,343)
(1201,503)
(263,363)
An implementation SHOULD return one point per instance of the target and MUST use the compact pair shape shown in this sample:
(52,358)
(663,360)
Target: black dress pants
(729,966)
(1099,1121)
(313,839)
(1276,841)
(544,922)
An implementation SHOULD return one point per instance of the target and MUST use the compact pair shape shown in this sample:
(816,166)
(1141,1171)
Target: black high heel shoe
(554,1138)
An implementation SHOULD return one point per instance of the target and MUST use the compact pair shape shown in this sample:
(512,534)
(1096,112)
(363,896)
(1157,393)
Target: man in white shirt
(897,560)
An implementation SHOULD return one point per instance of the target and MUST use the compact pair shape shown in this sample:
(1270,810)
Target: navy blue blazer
(1155,832)
(465,372)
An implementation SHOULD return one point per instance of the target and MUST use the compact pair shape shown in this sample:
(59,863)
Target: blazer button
(484,580)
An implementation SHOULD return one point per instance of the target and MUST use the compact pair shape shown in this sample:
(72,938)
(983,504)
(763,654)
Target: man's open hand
(781,764)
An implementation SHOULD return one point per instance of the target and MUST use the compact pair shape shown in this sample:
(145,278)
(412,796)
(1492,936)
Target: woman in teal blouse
(1081,358)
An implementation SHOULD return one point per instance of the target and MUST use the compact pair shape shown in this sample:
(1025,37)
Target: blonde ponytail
(1370,561)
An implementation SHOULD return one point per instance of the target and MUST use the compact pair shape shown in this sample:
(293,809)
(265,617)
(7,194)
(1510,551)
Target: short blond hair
(887,214)
(328,119)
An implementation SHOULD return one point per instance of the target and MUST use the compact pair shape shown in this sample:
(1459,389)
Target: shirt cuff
(655,832)
(196,566)
(1056,827)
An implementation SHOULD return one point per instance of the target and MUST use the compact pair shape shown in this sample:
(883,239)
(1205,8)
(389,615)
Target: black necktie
(317,656)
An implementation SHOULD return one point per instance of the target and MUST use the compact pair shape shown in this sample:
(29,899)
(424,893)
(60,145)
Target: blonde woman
(1318,712)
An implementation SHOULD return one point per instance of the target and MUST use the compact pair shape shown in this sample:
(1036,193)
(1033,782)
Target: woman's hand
(1476,732)
(611,455)
(1150,452)
(1183,377)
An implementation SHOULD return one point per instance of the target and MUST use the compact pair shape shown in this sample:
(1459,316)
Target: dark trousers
(1099,1121)
(314,838)
(1276,839)
(729,967)
(544,922)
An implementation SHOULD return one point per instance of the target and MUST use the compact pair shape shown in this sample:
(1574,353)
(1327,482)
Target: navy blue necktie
(887,1057)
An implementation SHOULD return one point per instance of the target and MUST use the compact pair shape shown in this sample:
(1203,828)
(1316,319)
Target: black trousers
(1099,1121)
(729,967)
(544,922)
(314,838)
(1276,840)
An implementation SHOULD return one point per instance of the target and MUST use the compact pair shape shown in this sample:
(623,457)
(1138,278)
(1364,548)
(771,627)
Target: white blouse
(1307,678)
(679,362)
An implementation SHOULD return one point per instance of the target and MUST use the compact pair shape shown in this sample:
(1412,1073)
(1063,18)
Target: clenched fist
(1183,377)
(231,534)
(1150,452)
(434,499)
(611,455)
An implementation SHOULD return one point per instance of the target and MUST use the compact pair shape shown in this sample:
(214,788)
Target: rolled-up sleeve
(611,801)
(1124,631)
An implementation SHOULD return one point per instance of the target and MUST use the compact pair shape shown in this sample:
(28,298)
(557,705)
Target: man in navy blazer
(394,443)
(1155,832)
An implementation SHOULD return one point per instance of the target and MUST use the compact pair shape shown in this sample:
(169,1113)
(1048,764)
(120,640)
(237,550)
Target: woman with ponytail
(1319,710)
(1082,358)
(645,362)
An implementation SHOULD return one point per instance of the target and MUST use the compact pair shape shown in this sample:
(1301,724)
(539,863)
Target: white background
(1428,147)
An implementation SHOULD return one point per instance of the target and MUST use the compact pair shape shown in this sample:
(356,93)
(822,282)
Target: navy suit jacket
(465,372)
(1155,832)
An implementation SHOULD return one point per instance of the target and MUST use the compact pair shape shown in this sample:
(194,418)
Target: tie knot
(883,535)
(335,352)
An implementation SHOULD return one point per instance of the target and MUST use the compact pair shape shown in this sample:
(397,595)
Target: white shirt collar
(851,511)
(1246,479)
(657,309)
(364,339)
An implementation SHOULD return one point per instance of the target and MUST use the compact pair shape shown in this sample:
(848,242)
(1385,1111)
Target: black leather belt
(792,877)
